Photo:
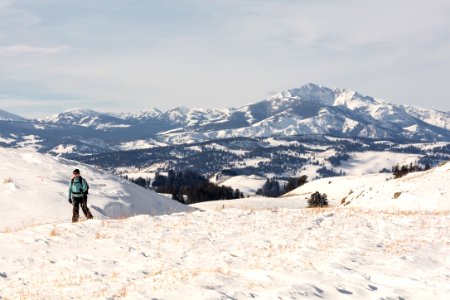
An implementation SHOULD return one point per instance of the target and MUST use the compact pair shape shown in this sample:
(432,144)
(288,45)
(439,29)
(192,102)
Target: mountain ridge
(309,109)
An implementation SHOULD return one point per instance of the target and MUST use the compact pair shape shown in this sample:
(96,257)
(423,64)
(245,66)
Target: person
(78,190)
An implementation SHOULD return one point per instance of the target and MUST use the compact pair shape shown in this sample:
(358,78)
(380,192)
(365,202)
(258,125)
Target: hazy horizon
(31,116)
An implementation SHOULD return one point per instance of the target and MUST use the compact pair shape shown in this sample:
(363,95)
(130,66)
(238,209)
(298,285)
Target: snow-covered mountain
(145,114)
(313,109)
(310,109)
(86,118)
(433,117)
(7,116)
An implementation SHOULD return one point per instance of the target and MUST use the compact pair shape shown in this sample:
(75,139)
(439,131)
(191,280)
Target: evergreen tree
(270,189)
(318,200)
(294,183)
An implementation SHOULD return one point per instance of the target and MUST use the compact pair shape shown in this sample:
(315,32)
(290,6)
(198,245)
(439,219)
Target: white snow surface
(336,188)
(6,140)
(246,184)
(256,202)
(34,186)
(140,144)
(374,161)
(232,254)
(421,191)
(373,246)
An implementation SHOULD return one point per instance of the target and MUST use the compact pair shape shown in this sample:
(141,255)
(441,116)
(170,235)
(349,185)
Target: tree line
(400,171)
(272,187)
(188,187)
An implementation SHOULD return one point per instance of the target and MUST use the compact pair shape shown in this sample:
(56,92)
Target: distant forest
(189,187)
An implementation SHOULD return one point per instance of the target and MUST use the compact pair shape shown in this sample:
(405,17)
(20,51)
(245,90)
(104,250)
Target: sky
(129,55)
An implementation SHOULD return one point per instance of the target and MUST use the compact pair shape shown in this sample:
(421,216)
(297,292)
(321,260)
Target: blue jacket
(77,188)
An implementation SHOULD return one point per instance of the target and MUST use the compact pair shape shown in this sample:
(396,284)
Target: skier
(78,190)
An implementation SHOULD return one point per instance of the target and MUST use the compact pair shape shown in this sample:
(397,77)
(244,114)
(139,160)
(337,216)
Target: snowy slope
(143,114)
(33,189)
(7,116)
(246,184)
(373,247)
(232,254)
(253,203)
(87,118)
(336,188)
(434,117)
(374,161)
(421,191)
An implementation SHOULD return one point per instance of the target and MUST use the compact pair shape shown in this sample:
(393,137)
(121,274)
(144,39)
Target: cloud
(134,54)
(11,50)
(4,4)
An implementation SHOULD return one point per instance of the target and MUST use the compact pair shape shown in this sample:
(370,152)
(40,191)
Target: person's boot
(85,208)
(75,211)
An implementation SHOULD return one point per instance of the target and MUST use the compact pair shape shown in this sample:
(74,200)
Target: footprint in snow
(342,291)
(371,287)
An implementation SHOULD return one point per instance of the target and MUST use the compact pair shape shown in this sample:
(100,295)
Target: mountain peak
(80,111)
(307,92)
(73,116)
(147,113)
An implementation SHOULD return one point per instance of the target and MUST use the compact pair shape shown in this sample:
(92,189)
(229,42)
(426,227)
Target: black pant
(77,201)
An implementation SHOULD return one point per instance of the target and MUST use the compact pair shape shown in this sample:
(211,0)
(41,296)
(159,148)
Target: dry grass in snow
(331,253)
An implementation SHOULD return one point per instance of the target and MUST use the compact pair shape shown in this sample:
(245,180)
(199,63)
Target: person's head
(76,173)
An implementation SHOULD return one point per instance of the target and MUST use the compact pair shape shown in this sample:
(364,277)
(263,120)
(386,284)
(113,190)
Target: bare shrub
(397,194)
(7,180)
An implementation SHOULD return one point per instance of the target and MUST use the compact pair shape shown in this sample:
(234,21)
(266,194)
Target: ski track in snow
(334,253)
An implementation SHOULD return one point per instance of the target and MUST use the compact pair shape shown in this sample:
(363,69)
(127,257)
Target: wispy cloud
(4,4)
(142,53)
(30,50)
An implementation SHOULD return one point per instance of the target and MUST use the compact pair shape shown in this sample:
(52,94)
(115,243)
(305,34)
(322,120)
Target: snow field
(339,253)
(374,161)
(246,184)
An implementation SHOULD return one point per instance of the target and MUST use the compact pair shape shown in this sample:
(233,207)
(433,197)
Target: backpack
(81,181)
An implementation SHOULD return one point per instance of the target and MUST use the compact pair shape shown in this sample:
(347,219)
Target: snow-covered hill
(387,240)
(421,191)
(245,184)
(336,188)
(33,189)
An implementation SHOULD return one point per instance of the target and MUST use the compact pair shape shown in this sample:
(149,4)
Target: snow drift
(33,189)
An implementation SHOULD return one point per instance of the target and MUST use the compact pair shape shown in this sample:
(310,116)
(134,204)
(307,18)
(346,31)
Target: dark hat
(76,171)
